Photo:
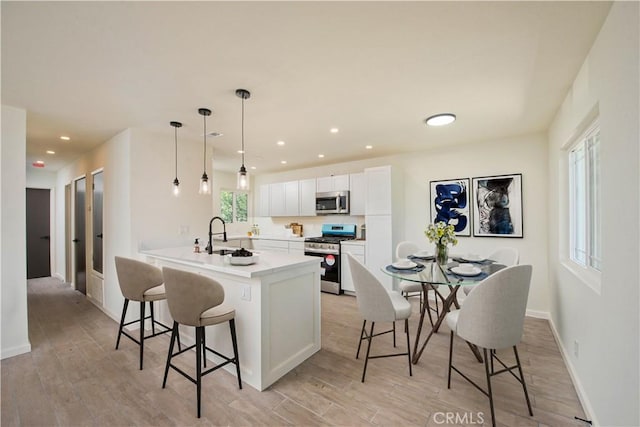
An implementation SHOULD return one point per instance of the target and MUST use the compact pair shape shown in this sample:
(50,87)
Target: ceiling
(374,70)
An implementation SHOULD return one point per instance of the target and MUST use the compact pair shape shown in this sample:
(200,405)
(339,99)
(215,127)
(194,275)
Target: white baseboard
(104,310)
(538,314)
(582,395)
(15,351)
(58,276)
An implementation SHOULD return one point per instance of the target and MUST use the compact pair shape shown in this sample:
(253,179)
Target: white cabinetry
(378,208)
(357,193)
(332,183)
(264,196)
(295,247)
(291,203)
(277,199)
(357,249)
(307,197)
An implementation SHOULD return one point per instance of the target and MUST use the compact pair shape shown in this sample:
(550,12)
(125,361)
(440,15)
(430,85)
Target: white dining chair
(505,256)
(414,289)
(492,318)
(376,304)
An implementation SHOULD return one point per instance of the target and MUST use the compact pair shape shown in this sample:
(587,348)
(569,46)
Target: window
(233,206)
(584,190)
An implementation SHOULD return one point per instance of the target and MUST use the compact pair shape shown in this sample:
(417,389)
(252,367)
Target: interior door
(80,257)
(96,212)
(38,233)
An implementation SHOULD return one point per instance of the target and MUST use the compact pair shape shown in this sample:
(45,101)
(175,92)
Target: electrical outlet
(245,293)
(576,348)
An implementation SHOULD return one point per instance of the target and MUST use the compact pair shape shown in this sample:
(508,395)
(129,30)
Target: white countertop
(268,262)
(354,242)
(259,237)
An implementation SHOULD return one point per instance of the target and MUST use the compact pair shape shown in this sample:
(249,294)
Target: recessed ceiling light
(334,130)
(281,143)
(368,147)
(240,151)
(51,152)
(321,155)
(284,162)
(441,119)
(65,138)
(253,167)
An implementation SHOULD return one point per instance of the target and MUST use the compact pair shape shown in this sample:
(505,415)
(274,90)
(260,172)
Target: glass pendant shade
(243,179)
(176,187)
(205,188)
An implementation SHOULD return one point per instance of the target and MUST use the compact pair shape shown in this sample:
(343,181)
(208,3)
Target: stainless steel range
(328,247)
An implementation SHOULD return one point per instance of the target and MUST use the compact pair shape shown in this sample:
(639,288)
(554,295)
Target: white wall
(526,155)
(605,323)
(13,268)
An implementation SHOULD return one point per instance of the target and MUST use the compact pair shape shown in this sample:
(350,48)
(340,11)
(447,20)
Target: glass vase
(442,254)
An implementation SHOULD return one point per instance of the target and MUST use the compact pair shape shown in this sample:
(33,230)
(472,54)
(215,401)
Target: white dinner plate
(464,272)
(404,265)
(422,254)
(472,258)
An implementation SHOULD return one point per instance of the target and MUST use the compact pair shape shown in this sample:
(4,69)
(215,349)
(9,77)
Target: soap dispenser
(196,246)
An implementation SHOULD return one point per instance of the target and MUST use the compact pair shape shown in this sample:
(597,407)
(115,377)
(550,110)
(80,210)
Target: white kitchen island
(277,303)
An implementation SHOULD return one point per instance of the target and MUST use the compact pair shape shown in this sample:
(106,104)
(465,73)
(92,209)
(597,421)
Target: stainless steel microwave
(335,202)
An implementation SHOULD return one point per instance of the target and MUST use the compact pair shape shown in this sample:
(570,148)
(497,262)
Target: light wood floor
(74,377)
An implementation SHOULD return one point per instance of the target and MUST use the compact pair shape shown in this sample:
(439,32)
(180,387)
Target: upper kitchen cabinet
(291,199)
(378,190)
(264,197)
(357,194)
(277,196)
(307,197)
(332,183)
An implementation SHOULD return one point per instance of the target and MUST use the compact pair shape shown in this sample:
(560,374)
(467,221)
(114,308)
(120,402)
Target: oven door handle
(322,252)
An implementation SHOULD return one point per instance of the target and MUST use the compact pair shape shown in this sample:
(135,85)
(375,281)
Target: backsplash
(312,225)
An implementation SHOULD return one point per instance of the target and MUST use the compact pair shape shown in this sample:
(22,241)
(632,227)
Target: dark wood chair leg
(198,365)
(174,333)
(124,313)
(366,360)
(489,392)
(450,360)
(141,333)
(524,385)
(406,328)
(394,334)
(153,319)
(234,340)
(362,332)
(204,347)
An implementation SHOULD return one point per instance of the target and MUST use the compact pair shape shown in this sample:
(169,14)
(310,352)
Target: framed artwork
(497,206)
(450,202)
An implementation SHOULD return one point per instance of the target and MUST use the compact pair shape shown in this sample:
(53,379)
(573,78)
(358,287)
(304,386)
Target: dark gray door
(98,189)
(38,233)
(79,236)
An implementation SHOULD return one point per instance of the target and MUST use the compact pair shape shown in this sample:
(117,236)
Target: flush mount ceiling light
(176,183)
(334,130)
(441,119)
(205,188)
(368,147)
(243,176)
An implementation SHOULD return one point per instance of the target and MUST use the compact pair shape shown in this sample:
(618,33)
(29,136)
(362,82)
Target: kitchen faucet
(224,233)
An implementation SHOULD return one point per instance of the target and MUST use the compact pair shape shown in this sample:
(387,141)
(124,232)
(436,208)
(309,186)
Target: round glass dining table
(433,276)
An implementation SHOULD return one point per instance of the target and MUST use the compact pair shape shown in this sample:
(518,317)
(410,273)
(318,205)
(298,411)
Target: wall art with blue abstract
(451,203)
(497,207)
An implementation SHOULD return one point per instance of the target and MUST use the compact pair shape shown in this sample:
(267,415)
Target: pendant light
(243,176)
(205,185)
(176,183)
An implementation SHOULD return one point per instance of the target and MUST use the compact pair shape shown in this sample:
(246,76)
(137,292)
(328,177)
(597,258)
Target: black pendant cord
(242,123)
(176,151)
(204,156)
